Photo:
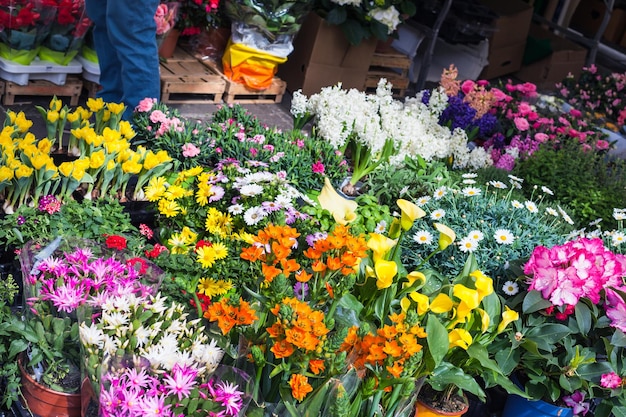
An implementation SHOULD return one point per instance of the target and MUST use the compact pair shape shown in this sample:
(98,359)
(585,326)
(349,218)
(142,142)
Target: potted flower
(66,32)
(60,278)
(567,349)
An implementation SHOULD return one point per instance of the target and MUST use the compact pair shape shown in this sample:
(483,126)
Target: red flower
(116,242)
(156,251)
(203,243)
(143,265)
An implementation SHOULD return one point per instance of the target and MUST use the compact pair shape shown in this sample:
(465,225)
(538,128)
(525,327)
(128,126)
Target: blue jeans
(124,36)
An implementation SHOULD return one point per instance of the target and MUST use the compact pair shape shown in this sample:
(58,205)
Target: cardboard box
(504,60)
(588,17)
(513,23)
(322,57)
(566,57)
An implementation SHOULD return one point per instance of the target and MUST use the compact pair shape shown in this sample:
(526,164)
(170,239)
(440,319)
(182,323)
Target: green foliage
(91,219)
(591,185)
(9,372)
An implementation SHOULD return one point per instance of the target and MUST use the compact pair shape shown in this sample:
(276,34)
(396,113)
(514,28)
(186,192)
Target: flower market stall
(379,257)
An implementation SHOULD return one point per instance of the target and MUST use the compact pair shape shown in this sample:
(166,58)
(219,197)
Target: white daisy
(254,215)
(595,222)
(470,191)
(423,237)
(498,184)
(517,204)
(618,238)
(565,216)
(504,237)
(546,190)
(477,235)
(552,212)
(235,209)
(467,244)
(619,214)
(437,214)
(440,192)
(530,206)
(251,190)
(510,288)
(381,227)
(470,175)
(422,201)
(469,182)
(516,179)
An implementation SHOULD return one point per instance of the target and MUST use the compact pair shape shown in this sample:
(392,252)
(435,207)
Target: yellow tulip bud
(95,104)
(52,116)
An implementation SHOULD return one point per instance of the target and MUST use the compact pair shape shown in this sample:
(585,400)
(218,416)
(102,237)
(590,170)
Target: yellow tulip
(423,303)
(385,272)
(6,174)
(55,104)
(116,108)
(446,235)
(96,159)
(78,174)
(130,167)
(111,165)
(52,116)
(380,245)
(38,161)
(44,145)
(126,129)
(66,168)
(441,304)
(73,116)
(484,284)
(508,316)
(82,163)
(163,157)
(460,337)
(151,161)
(111,134)
(342,209)
(409,213)
(23,171)
(95,104)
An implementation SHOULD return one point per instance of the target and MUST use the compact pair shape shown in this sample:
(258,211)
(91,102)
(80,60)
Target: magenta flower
(181,381)
(610,380)
(616,309)
(577,402)
(318,167)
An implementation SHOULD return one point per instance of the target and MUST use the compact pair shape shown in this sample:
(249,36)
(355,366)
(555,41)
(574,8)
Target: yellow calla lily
(460,337)
(484,284)
(508,316)
(441,304)
(405,303)
(423,303)
(380,245)
(414,276)
(385,271)
(342,209)
(466,295)
(485,320)
(446,235)
(409,213)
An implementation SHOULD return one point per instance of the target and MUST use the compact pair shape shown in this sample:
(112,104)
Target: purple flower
(21,220)
(577,402)
(301,289)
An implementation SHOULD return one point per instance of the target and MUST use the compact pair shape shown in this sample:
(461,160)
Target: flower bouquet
(568,349)
(25,23)
(261,39)
(66,33)
(144,347)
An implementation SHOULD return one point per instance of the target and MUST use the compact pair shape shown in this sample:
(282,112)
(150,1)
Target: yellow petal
(409,213)
(446,235)
(484,284)
(415,276)
(342,209)
(441,304)
(423,303)
(485,320)
(380,245)
(466,295)
(405,303)
(508,316)
(460,337)
(385,271)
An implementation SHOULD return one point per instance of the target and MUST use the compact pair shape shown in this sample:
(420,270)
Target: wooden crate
(91,87)
(392,65)
(187,81)
(239,93)
(72,88)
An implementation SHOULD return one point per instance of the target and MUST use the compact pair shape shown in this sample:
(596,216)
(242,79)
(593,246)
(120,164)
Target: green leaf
(438,342)
(354,31)
(547,335)
(337,16)
(583,318)
(447,374)
(534,302)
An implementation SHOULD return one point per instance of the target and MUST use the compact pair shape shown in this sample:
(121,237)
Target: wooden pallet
(240,94)
(188,81)
(91,87)
(72,88)
(392,65)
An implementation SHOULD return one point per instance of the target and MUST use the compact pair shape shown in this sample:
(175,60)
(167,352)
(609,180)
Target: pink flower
(616,309)
(577,402)
(145,105)
(521,123)
(610,380)
(190,150)
(541,137)
(602,145)
(318,167)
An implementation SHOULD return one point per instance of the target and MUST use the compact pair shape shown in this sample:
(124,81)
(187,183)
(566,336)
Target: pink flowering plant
(62,277)
(569,346)
(598,95)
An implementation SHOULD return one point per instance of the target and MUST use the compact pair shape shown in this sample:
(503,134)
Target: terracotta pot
(45,402)
(168,46)
(426,410)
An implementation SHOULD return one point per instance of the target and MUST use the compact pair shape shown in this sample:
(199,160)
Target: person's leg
(110,67)
(132,30)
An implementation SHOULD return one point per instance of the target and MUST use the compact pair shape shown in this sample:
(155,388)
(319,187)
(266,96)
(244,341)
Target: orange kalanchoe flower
(228,316)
